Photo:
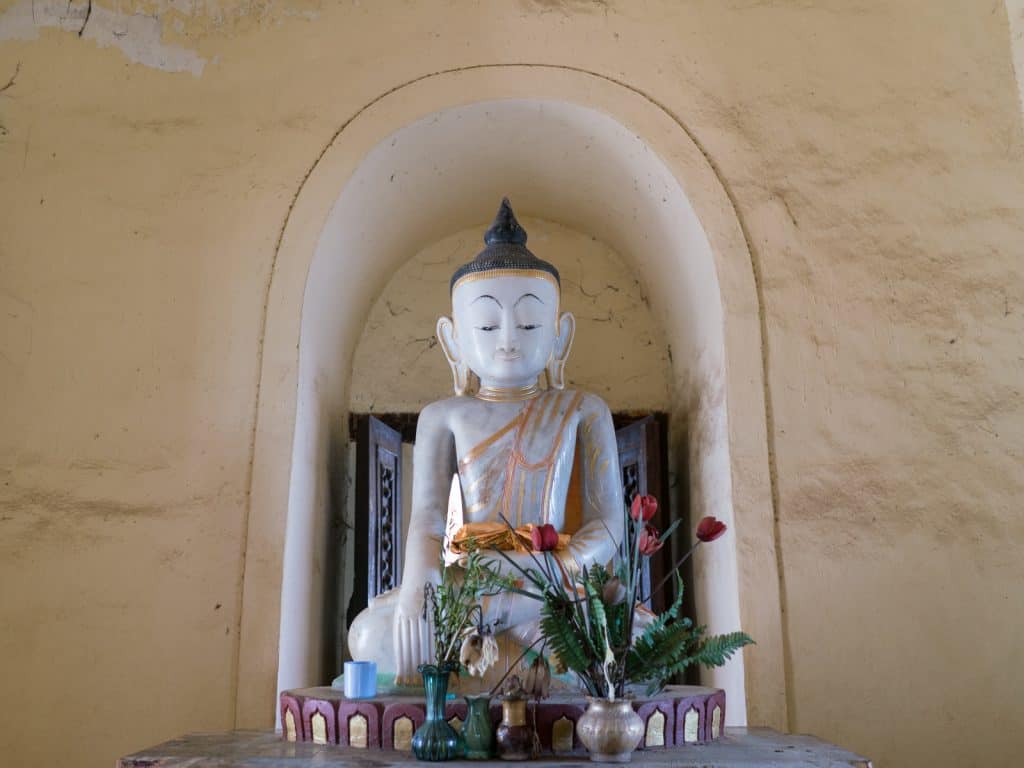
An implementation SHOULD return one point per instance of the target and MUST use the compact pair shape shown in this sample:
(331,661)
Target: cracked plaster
(138,35)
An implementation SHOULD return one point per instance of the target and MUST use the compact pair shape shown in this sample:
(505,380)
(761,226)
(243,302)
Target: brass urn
(515,738)
(610,730)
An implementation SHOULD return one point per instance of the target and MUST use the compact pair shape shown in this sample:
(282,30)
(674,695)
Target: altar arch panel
(292,404)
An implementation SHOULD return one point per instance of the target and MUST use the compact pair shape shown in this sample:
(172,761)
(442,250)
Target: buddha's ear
(450,346)
(560,353)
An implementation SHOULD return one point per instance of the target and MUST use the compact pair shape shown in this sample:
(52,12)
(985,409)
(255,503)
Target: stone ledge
(738,748)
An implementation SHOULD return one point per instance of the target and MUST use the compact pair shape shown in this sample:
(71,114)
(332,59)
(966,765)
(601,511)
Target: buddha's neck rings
(507,394)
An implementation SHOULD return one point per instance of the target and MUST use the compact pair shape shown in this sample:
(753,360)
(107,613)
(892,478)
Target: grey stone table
(740,748)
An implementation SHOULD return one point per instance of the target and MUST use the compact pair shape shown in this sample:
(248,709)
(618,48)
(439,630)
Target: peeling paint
(139,36)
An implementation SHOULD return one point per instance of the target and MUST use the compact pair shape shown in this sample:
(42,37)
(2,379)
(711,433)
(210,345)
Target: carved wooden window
(642,462)
(378,511)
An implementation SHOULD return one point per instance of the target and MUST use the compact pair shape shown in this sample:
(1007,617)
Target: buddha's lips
(506,357)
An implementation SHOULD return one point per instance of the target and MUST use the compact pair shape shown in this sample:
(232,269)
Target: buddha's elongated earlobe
(560,353)
(449,345)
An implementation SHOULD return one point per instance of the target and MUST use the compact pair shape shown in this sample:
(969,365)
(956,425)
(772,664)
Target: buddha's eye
(529,326)
(487,327)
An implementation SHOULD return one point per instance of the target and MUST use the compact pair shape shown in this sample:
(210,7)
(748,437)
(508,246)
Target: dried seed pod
(614,591)
(538,678)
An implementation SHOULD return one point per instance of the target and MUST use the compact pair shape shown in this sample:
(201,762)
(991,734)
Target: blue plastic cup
(360,679)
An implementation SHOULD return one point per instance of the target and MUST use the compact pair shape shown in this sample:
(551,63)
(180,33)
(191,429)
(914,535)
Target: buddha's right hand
(412,638)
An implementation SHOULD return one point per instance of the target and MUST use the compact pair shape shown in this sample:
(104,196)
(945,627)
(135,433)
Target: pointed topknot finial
(505,228)
(505,250)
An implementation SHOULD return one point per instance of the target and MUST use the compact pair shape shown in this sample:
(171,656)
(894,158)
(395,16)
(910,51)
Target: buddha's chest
(518,465)
(531,430)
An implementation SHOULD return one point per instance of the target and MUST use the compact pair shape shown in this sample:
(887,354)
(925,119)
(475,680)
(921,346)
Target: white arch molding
(430,158)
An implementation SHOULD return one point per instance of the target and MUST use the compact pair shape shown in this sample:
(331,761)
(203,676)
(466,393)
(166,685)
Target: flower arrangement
(461,640)
(452,610)
(590,622)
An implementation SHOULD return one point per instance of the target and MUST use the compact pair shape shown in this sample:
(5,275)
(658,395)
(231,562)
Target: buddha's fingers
(412,648)
(402,649)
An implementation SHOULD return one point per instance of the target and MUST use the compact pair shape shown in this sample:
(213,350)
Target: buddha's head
(505,328)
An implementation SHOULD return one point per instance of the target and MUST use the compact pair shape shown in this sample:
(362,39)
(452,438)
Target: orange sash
(498,536)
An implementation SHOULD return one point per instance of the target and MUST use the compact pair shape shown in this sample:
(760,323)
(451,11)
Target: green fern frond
(564,638)
(717,649)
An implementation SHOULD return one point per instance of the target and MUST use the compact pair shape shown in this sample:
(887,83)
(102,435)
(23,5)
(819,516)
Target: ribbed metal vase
(610,730)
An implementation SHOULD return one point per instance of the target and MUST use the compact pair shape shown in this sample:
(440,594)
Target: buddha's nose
(508,340)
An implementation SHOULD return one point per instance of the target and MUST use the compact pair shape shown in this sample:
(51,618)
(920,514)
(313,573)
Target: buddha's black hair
(505,243)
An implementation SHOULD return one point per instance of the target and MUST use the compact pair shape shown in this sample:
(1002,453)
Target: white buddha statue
(512,440)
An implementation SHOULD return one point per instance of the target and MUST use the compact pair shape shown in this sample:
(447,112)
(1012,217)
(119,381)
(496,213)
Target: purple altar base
(291,719)
(556,725)
(359,724)
(455,712)
(676,717)
(401,719)
(659,716)
(715,709)
(320,721)
(691,719)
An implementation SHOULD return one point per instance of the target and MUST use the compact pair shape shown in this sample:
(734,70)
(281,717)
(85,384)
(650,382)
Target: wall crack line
(14,77)
(85,21)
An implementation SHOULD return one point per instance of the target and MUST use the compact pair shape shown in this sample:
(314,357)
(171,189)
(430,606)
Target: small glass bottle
(514,737)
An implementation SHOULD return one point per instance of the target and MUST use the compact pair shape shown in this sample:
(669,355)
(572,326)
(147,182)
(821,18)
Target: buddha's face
(506,327)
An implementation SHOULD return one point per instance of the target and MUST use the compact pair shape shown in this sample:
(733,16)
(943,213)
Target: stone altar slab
(738,748)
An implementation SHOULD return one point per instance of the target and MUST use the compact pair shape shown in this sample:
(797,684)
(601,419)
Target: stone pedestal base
(678,716)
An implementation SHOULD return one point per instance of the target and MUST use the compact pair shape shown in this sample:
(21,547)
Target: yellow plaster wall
(875,154)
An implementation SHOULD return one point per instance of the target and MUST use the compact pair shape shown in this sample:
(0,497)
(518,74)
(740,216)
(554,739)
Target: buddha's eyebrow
(527,296)
(486,296)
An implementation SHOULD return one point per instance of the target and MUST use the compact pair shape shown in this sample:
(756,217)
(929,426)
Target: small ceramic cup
(360,679)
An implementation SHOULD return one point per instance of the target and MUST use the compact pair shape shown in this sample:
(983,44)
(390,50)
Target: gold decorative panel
(401,733)
(358,731)
(716,722)
(655,735)
(691,726)
(561,734)
(456,723)
(319,728)
(289,726)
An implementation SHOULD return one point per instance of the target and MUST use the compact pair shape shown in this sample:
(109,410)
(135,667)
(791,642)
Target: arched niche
(430,159)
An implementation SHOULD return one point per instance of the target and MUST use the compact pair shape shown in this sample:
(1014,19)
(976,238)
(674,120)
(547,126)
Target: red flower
(544,537)
(643,508)
(710,528)
(649,543)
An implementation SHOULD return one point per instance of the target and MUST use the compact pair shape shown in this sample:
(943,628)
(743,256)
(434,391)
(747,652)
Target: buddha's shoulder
(587,402)
(439,410)
(450,410)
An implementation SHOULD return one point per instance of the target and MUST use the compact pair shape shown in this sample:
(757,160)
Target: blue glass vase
(435,740)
